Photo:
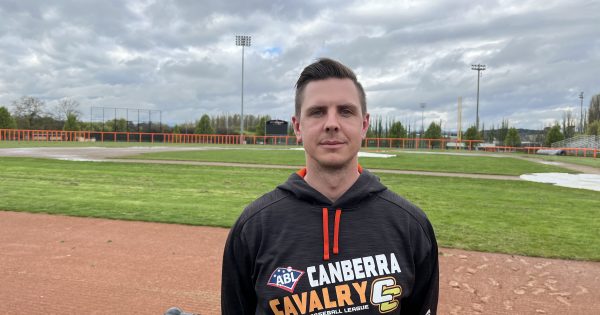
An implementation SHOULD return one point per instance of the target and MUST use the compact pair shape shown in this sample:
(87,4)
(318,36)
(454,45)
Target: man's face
(331,124)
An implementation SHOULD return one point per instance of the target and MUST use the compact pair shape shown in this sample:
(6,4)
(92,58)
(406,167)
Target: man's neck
(332,183)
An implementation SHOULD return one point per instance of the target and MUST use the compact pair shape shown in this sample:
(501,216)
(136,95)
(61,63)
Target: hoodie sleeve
(424,299)
(237,289)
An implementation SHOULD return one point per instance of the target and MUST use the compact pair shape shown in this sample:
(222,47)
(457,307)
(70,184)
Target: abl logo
(285,278)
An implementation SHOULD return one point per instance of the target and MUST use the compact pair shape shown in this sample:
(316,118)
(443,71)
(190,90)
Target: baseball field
(489,223)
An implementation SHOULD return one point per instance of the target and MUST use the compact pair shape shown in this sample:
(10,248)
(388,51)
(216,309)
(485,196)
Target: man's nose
(332,123)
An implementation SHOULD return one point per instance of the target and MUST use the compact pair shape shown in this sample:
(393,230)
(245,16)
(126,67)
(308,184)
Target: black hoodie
(293,251)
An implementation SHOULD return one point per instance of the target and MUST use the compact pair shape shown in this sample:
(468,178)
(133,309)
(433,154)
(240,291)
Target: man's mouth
(332,142)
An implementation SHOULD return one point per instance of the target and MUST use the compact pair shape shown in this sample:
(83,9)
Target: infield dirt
(53,264)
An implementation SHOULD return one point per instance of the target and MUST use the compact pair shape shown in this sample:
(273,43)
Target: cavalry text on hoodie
(293,251)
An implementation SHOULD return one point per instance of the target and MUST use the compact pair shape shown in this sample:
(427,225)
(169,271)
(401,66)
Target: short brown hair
(323,69)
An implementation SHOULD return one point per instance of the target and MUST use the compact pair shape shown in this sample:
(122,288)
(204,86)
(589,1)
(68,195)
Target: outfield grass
(146,192)
(520,217)
(487,215)
(402,161)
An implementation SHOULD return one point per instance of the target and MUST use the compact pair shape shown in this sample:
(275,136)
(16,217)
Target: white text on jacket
(352,269)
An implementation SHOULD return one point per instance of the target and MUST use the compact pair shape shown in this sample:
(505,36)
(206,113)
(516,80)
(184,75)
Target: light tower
(242,40)
(479,68)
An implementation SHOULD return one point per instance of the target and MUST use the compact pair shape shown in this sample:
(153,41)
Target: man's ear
(296,126)
(365,125)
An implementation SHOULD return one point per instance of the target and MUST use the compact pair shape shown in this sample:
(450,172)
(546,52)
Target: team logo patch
(285,278)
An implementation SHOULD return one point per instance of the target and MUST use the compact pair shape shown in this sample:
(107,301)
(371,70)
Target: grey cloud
(180,56)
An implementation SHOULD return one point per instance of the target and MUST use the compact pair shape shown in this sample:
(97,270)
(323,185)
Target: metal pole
(422,105)
(459,132)
(479,68)
(477,121)
(102,119)
(242,118)
(581,114)
(422,118)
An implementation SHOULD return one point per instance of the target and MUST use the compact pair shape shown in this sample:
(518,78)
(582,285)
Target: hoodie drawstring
(336,232)
(325,234)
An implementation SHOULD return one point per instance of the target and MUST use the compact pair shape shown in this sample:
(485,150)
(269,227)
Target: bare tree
(29,108)
(67,107)
(594,110)
(568,124)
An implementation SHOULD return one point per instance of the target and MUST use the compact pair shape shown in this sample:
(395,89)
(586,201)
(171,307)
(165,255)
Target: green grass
(520,217)
(235,155)
(161,193)
(486,215)
(402,161)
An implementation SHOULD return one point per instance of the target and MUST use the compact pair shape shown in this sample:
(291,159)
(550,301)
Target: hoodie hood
(366,185)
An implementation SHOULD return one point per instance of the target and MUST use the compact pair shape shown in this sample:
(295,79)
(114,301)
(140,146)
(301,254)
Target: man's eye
(346,112)
(316,112)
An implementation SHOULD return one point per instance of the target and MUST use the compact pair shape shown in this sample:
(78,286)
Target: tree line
(225,124)
(33,113)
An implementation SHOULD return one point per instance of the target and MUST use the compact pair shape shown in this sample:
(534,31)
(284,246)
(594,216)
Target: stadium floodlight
(242,40)
(479,68)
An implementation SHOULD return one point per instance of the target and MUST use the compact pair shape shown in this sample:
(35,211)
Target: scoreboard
(276,127)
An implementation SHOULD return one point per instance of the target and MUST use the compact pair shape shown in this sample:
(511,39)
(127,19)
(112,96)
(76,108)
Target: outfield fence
(376,143)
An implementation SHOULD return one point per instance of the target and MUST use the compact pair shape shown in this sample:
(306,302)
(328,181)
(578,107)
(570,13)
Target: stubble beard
(324,165)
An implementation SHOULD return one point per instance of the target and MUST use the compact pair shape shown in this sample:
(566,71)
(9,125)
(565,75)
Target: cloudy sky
(180,57)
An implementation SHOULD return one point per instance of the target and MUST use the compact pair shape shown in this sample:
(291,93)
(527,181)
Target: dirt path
(52,264)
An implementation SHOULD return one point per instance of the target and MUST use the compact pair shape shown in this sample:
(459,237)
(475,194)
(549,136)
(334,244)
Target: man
(332,239)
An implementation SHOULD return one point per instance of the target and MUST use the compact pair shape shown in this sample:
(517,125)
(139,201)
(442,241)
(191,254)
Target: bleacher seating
(580,141)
